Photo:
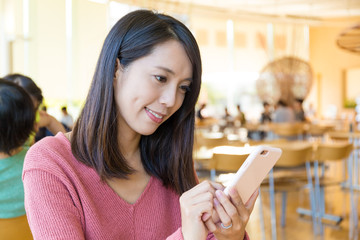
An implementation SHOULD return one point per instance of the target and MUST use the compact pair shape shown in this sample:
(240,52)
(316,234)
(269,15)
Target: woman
(122,170)
(16,123)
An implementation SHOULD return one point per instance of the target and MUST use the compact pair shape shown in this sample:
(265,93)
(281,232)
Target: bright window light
(99,1)
(118,10)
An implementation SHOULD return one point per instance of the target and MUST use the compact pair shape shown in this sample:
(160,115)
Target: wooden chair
(318,130)
(290,131)
(228,162)
(354,138)
(203,146)
(206,123)
(325,152)
(339,135)
(289,170)
(15,228)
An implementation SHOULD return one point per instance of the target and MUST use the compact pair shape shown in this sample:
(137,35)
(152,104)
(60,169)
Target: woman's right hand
(194,203)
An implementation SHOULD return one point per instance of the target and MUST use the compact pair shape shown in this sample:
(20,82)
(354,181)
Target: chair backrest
(294,154)
(287,129)
(228,162)
(15,228)
(319,130)
(339,135)
(333,151)
(210,140)
(206,123)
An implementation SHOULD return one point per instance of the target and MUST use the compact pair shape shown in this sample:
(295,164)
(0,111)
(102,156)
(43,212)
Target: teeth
(156,115)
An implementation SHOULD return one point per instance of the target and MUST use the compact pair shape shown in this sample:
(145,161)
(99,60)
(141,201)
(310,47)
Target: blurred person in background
(66,118)
(42,118)
(298,110)
(283,113)
(17,118)
(266,114)
(229,119)
(240,118)
(265,118)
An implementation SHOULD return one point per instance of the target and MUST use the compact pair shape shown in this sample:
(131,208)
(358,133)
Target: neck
(12,153)
(129,147)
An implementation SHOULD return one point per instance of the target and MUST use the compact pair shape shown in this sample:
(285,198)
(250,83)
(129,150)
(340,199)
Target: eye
(160,78)
(185,88)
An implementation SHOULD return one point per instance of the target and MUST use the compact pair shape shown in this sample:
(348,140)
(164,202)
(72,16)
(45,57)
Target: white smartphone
(253,171)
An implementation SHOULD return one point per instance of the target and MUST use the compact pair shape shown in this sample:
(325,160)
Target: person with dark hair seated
(265,118)
(298,110)
(266,114)
(42,119)
(66,119)
(17,118)
(283,113)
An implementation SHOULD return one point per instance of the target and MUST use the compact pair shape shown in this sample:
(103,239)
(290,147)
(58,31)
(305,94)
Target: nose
(168,96)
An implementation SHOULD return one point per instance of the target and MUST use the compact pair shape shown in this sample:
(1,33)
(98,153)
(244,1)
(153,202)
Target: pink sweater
(65,199)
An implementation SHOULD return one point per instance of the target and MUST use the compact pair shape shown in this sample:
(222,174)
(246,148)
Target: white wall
(46,53)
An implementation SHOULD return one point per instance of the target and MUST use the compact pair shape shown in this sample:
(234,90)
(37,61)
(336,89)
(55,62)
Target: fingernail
(205,216)
(233,191)
(216,202)
(219,194)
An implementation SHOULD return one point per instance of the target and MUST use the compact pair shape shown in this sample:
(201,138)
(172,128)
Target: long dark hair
(167,153)
(17,116)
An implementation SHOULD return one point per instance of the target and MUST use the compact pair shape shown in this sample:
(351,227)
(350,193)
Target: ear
(117,69)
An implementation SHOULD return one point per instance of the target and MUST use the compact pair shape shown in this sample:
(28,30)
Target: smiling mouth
(154,116)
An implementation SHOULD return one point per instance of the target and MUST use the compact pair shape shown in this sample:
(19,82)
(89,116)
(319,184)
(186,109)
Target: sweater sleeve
(178,236)
(50,210)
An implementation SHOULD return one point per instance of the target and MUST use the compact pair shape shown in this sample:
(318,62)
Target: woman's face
(152,88)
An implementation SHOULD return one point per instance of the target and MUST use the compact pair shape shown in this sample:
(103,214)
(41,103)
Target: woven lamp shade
(349,39)
(287,78)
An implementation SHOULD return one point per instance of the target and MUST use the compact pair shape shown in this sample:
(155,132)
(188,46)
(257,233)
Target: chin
(148,129)
(147,132)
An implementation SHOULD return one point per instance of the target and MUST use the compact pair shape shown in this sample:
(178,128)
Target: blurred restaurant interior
(253,52)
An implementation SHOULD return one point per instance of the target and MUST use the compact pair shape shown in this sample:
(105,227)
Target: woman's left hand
(233,214)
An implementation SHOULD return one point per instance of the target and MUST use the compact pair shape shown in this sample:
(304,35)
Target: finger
(214,217)
(202,208)
(238,203)
(236,200)
(217,186)
(202,187)
(202,197)
(196,211)
(229,213)
(251,202)
(211,226)
(205,217)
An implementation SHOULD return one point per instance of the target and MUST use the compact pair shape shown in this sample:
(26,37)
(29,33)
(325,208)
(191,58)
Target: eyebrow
(172,72)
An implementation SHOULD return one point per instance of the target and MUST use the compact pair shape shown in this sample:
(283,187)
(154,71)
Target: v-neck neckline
(138,200)
(110,191)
